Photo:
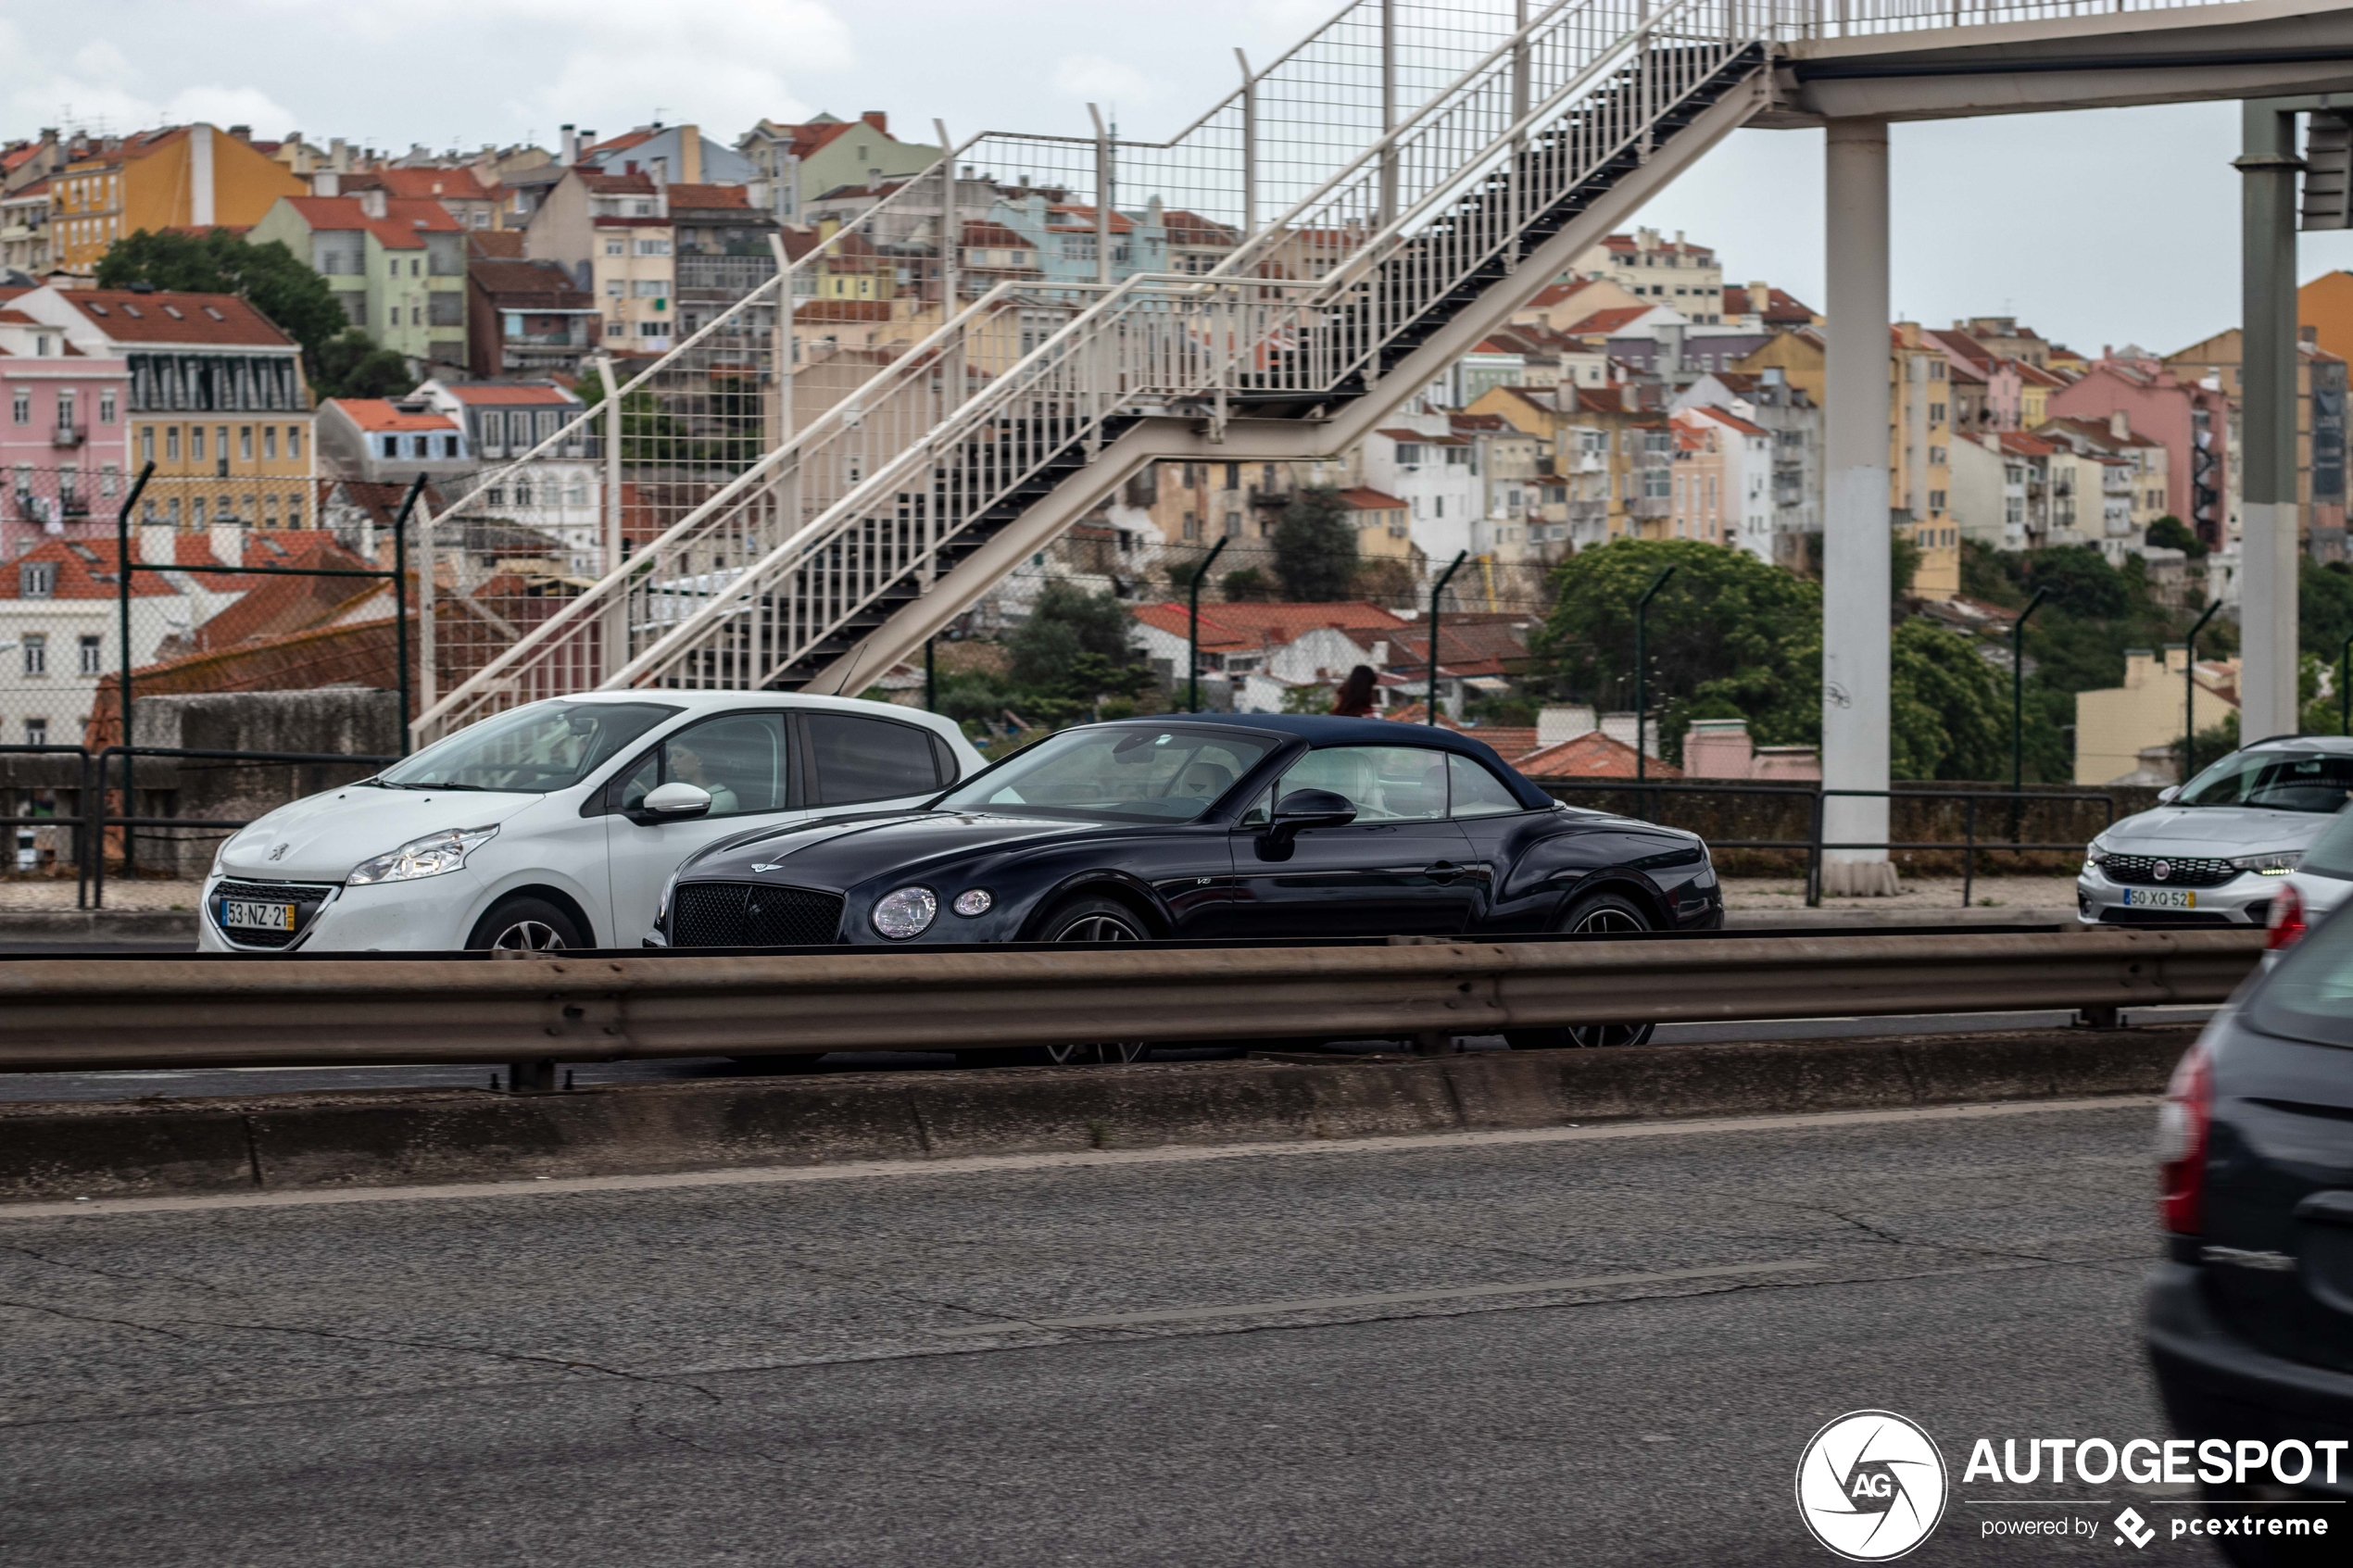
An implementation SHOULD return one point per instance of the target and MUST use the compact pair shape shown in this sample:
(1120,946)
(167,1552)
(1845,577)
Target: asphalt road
(1589,1346)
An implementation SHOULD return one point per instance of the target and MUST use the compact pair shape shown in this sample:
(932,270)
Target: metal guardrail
(93,1014)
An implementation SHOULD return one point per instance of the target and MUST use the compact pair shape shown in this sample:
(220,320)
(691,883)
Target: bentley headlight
(2277,864)
(905,913)
(429,856)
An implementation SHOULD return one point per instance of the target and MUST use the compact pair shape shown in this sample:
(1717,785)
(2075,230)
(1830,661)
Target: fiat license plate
(2160,898)
(238,915)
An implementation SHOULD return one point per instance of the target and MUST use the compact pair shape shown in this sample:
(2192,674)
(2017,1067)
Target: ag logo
(1870,1486)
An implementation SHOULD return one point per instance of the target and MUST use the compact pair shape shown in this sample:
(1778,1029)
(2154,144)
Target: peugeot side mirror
(671,803)
(2165,796)
(1301,810)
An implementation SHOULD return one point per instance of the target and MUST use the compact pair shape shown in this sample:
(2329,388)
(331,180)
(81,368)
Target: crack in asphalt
(133,1278)
(95,1318)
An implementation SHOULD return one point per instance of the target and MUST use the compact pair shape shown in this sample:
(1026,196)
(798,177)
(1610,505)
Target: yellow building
(182,176)
(217,395)
(2115,726)
(1919,439)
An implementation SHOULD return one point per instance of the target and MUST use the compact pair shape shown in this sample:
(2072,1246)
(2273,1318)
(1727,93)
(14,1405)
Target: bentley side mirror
(2166,794)
(671,803)
(1299,811)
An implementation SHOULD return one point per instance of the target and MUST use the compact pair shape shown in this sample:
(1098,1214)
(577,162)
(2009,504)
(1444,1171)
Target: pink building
(2190,421)
(64,441)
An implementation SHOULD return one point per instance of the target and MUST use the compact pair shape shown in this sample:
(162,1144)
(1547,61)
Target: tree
(1947,717)
(1728,630)
(352,366)
(1078,644)
(1250,585)
(269,277)
(1316,545)
(2170,532)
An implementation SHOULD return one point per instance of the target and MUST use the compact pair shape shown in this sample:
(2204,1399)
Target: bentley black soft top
(1326,730)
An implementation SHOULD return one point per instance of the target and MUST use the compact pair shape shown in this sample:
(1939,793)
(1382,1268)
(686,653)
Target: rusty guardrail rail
(94,1014)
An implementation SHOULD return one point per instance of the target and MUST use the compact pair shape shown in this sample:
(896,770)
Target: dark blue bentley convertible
(1208,826)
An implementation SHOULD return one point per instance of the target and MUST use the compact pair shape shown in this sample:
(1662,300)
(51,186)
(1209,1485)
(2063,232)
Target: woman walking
(1355,699)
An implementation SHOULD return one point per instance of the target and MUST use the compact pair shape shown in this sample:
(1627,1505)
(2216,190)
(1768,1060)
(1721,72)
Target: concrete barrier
(397,1137)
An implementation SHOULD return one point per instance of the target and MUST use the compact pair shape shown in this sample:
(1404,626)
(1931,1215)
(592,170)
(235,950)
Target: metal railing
(1814,845)
(70,1015)
(1366,142)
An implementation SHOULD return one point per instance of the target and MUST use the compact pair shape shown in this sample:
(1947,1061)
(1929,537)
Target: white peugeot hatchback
(557,824)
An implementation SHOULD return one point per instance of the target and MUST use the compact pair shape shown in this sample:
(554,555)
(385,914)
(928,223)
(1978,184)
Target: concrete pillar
(1856,548)
(2268,510)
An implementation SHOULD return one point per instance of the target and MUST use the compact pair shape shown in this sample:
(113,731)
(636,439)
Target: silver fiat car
(2217,850)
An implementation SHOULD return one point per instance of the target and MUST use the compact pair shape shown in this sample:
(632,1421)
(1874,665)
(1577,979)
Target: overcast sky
(2101,228)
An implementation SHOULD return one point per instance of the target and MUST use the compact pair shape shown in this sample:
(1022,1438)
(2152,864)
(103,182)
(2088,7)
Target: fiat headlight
(2277,864)
(907,911)
(429,856)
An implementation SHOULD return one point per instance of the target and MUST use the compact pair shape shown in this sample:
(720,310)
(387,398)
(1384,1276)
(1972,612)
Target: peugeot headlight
(429,856)
(2279,862)
(905,913)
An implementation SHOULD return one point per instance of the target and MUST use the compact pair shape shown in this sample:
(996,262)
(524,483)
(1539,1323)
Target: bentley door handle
(1444,870)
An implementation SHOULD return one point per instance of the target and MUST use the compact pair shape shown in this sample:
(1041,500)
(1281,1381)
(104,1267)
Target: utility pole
(1436,589)
(1641,671)
(1193,624)
(2018,692)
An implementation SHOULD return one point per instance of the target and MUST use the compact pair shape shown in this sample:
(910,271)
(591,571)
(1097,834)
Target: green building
(397,265)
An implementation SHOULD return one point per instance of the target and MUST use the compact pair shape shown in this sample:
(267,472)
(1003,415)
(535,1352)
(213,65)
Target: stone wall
(1724,812)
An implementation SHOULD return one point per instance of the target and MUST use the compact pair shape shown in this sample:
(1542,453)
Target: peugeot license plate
(2160,898)
(236,914)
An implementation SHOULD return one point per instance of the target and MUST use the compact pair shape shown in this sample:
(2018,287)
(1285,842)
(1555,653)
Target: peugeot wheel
(1603,914)
(526,925)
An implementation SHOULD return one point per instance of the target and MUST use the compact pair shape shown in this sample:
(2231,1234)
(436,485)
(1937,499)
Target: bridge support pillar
(1858,547)
(2268,509)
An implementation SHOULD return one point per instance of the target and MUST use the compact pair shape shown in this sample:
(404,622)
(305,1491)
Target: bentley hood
(840,852)
(321,838)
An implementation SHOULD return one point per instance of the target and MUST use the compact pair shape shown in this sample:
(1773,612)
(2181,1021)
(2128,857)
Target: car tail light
(2286,919)
(2181,1127)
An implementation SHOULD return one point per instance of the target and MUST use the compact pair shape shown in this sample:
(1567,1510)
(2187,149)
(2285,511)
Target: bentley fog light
(972,901)
(905,913)
(429,856)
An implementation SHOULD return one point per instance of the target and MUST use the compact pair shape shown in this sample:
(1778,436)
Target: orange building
(182,177)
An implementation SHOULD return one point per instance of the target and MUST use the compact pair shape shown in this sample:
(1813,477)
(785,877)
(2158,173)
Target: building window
(36,653)
(293,515)
(195,449)
(645,247)
(244,450)
(36,730)
(293,450)
(106,416)
(612,248)
(147,455)
(24,406)
(92,656)
(109,480)
(269,450)
(37,579)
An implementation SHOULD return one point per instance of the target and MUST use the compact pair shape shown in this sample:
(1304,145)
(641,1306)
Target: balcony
(574,337)
(68,435)
(721,277)
(1587,512)
(1649,507)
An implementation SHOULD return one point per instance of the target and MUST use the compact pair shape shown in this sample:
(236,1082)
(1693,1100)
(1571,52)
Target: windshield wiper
(486,789)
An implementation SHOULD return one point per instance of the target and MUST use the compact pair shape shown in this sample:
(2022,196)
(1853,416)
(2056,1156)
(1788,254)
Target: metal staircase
(1496,141)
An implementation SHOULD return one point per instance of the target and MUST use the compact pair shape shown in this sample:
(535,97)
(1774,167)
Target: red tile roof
(1266,625)
(1592,755)
(698,196)
(375,413)
(491,394)
(420,184)
(128,316)
(1600,323)
(402,227)
(1362,498)
(1721,415)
